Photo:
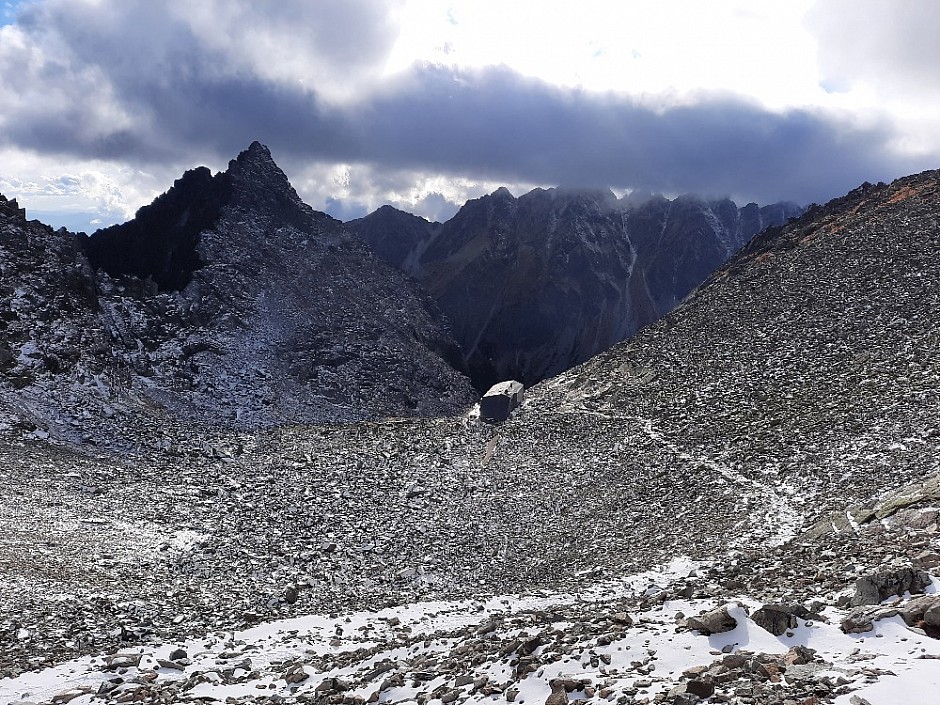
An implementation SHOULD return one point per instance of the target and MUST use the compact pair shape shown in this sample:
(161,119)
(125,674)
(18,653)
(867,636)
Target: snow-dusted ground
(471,651)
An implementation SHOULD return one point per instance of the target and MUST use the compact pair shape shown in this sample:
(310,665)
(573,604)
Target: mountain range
(739,504)
(537,284)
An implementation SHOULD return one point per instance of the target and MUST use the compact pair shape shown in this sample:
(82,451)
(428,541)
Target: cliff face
(536,284)
(228,300)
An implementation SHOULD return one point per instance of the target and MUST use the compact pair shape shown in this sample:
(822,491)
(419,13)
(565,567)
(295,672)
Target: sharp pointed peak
(257,167)
(256,153)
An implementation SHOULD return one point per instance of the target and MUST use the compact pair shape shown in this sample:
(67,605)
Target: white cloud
(664,48)
(349,191)
(882,57)
(93,189)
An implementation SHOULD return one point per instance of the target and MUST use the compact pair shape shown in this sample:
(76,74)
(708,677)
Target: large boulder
(776,619)
(874,589)
(716,621)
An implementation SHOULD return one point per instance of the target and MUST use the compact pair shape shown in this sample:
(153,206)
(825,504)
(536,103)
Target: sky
(423,104)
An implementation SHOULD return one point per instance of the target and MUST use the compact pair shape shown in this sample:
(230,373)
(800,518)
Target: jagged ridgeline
(536,284)
(226,300)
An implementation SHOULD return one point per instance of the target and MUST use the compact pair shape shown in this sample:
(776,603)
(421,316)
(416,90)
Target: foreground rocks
(551,649)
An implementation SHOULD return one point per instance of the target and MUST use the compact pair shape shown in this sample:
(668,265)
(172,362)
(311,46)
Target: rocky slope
(778,429)
(228,301)
(536,284)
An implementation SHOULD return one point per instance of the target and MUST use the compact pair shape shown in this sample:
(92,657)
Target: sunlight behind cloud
(757,49)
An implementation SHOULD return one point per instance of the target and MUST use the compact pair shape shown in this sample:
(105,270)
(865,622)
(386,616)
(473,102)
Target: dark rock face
(398,238)
(680,243)
(160,243)
(229,300)
(536,284)
(873,589)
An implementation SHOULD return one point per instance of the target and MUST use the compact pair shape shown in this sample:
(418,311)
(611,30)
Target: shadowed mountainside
(536,284)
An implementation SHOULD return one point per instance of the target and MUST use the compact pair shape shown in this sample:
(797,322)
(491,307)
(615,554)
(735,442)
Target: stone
(874,589)
(716,621)
(857,622)
(859,700)
(622,618)
(799,655)
(118,661)
(690,692)
(169,663)
(927,560)
(776,619)
(296,674)
(932,616)
(678,696)
(918,609)
(558,696)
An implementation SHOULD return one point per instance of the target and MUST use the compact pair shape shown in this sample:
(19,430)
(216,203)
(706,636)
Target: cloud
(884,42)
(348,191)
(169,85)
(502,126)
(74,192)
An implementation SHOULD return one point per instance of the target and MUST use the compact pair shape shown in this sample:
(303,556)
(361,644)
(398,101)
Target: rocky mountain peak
(11,209)
(257,170)
(396,237)
(260,185)
(228,300)
(164,241)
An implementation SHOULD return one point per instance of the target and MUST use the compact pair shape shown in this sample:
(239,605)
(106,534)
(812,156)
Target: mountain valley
(738,504)
(537,284)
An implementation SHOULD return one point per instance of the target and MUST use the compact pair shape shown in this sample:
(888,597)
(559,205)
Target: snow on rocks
(522,649)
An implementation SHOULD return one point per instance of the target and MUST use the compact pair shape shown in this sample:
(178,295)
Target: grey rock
(920,609)
(873,589)
(716,621)
(776,619)
(171,664)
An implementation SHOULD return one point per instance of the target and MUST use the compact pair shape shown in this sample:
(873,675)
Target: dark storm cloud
(129,82)
(501,125)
